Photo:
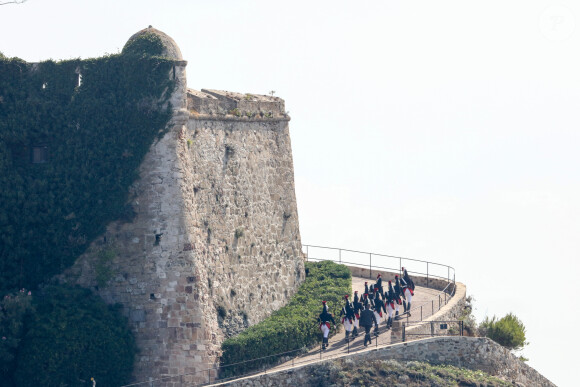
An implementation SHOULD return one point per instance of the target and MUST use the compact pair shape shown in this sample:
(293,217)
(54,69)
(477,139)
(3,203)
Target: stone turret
(215,244)
(170,48)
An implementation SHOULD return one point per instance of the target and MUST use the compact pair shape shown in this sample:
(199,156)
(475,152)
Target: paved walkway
(425,303)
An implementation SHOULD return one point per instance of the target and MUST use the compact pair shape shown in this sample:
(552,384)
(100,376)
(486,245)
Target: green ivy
(144,45)
(74,336)
(15,309)
(97,135)
(292,327)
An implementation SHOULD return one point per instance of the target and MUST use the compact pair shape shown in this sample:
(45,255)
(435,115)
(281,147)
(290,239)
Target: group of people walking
(369,309)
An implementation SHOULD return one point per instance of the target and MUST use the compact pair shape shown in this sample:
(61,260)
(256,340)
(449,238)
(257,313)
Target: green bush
(15,309)
(292,327)
(508,331)
(96,134)
(72,337)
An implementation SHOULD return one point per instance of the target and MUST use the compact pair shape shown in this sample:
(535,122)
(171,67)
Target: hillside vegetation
(348,372)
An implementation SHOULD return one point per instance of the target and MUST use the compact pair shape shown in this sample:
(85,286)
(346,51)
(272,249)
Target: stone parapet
(466,352)
(227,104)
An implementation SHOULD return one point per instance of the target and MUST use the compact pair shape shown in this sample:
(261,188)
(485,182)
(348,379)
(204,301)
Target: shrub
(508,331)
(469,323)
(72,337)
(15,309)
(292,327)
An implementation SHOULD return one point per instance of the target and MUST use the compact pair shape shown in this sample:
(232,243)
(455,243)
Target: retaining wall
(467,352)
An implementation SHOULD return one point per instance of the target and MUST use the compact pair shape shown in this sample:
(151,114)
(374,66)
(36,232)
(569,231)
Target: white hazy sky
(444,130)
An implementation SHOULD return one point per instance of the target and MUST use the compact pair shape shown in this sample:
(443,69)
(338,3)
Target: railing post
(339,255)
(306,253)
(403,335)
(427,274)
(439,302)
(370,265)
(432,307)
(421,312)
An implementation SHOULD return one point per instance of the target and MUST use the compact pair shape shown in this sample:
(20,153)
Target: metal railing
(383,262)
(359,258)
(456,329)
(351,258)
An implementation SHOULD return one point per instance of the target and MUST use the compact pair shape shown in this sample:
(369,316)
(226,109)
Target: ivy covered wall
(72,135)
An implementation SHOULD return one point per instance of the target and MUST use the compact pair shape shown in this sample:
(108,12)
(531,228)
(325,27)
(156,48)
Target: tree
(508,331)
(72,337)
(15,309)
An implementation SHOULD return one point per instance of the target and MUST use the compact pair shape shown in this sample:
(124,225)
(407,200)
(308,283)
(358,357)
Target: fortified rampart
(214,245)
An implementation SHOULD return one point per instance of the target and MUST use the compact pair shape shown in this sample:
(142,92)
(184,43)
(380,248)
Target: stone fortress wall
(215,245)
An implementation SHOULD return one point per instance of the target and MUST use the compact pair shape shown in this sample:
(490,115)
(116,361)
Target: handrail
(445,291)
(371,255)
(449,289)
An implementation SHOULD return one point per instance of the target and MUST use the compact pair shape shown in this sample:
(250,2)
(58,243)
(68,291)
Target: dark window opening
(39,154)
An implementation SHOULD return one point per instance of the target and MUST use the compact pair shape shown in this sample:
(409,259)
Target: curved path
(426,302)
(425,297)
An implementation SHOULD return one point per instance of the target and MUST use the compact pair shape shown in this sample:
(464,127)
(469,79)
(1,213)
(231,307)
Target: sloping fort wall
(214,246)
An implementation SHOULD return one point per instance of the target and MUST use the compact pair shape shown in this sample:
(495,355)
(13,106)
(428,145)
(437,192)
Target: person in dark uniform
(367,320)
(399,297)
(324,320)
(373,295)
(347,318)
(408,290)
(357,307)
(366,287)
(365,300)
(378,310)
(379,284)
(390,304)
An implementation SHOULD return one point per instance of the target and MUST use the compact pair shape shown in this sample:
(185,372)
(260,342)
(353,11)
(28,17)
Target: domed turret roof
(170,48)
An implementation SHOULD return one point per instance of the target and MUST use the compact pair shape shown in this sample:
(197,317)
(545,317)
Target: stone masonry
(469,352)
(214,246)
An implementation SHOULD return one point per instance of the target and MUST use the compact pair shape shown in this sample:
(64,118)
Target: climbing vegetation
(72,136)
(63,336)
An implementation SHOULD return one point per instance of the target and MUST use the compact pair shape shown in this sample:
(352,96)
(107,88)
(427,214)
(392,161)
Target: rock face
(214,245)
